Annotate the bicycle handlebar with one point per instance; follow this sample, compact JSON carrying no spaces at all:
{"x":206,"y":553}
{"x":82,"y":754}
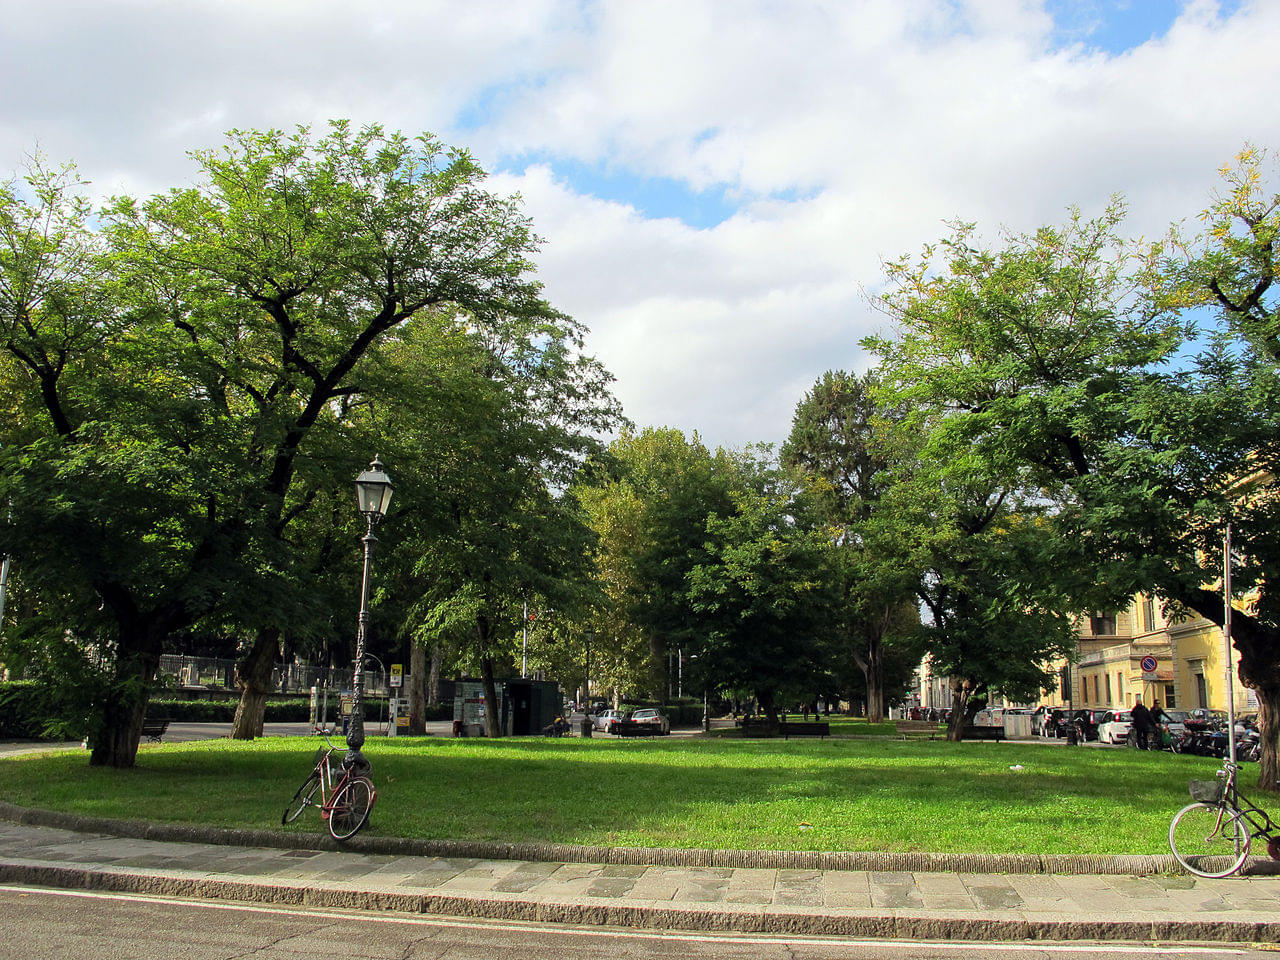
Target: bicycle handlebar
{"x":323,"y":733}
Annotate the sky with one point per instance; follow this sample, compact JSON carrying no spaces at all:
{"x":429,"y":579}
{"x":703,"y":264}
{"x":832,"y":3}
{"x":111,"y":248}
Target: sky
{"x":718,"y":183}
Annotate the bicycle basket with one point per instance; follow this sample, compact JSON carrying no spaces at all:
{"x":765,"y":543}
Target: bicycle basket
{"x":1206,"y":791}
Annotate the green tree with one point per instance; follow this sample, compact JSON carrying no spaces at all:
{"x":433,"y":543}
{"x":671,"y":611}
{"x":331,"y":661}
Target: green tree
{"x":763,"y":591}
{"x":1050,"y":356}
{"x":838,"y":439}
{"x":177,"y":360}
{"x":1231,"y":425}
{"x":512,"y":533}
{"x":650,"y":505}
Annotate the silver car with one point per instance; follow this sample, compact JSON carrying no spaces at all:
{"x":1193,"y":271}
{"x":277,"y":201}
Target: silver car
{"x":602,"y":719}
{"x":654,"y":721}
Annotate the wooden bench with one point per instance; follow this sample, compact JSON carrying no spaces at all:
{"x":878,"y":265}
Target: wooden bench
{"x":982,"y":732}
{"x":758,"y":727}
{"x":804,"y":728}
{"x":153,"y":730}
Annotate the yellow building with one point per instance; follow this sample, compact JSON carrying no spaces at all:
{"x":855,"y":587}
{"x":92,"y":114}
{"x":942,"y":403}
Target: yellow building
{"x":1188,"y":655}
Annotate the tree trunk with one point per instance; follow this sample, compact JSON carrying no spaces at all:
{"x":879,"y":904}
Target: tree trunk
{"x":959,"y":704}
{"x":253,"y":677}
{"x":874,"y":674}
{"x":767,"y":704}
{"x":117,"y":744}
{"x":1268,"y":733}
{"x":1259,"y":670}
{"x":288,"y":650}
{"x":141,"y":638}
{"x":417,"y":678}
{"x":433,"y":679}
{"x":492,"y":720}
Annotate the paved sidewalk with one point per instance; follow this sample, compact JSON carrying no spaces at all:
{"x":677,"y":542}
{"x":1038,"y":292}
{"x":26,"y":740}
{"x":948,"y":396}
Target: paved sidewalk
{"x":907,"y":904}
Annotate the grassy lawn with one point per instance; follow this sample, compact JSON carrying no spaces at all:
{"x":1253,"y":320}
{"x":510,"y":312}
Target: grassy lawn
{"x":741,"y":794}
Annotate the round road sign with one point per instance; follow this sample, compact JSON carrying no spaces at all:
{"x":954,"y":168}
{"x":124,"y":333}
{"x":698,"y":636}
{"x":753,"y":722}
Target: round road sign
{"x":1148,"y":664}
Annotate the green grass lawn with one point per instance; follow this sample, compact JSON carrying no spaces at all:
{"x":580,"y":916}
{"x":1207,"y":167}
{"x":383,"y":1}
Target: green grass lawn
{"x":833,"y":794}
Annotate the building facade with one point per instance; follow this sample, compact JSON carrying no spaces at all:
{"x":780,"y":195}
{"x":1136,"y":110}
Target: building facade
{"x":1189,"y":655}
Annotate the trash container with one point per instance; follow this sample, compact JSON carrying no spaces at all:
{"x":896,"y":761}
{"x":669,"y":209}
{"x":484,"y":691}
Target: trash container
{"x":584,"y":727}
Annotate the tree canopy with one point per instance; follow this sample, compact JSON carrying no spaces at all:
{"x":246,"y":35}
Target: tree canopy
{"x":186,"y":373}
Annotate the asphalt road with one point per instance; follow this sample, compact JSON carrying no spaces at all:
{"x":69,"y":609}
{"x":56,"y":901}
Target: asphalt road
{"x":60,"y":924}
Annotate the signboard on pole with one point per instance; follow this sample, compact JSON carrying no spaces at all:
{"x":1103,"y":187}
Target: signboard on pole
{"x":1148,"y":669}
{"x":397,"y":674}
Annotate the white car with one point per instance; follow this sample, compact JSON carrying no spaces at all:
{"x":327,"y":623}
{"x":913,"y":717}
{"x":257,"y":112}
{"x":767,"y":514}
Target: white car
{"x":1114,"y":726}
{"x":651,"y":719}
{"x":602,"y":719}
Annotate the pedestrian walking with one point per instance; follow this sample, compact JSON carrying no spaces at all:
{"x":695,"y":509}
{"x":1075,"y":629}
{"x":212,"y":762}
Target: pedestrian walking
{"x":1141,"y":724}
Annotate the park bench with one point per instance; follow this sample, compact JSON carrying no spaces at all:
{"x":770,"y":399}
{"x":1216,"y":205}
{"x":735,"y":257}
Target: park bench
{"x":982,"y":732}
{"x":153,"y":730}
{"x":804,"y":728}
{"x":758,"y":727}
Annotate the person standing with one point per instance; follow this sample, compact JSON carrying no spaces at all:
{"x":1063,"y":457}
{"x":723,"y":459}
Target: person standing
{"x":1141,"y":724}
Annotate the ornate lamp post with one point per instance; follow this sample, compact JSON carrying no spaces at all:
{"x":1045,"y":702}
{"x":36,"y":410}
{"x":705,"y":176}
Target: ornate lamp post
{"x":373,"y":493}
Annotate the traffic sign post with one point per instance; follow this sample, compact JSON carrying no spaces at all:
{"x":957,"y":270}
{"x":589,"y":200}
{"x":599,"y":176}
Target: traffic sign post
{"x":1149,"y":669}
{"x":397,"y":674}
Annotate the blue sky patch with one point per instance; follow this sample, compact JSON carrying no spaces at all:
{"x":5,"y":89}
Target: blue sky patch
{"x":1116,"y":26}
{"x":653,"y":197}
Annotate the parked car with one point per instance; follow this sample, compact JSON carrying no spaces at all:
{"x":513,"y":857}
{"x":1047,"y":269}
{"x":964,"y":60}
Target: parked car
{"x":650,"y":720}
{"x":1087,"y":722}
{"x":1114,"y":727}
{"x":605,"y":718}
{"x":1045,"y":721}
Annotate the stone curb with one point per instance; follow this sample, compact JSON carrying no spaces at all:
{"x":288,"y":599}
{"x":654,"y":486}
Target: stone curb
{"x":797,"y":921}
{"x":1135,"y":865}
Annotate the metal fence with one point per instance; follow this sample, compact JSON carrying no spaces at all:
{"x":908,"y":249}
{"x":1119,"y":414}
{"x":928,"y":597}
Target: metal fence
{"x":215,"y":673}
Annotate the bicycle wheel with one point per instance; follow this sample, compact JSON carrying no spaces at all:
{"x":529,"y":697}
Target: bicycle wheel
{"x":1209,"y":840}
{"x":350,"y":810}
{"x":301,"y":800}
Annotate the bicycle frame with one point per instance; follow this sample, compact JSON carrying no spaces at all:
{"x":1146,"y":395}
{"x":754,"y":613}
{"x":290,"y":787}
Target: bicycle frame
{"x":1259,"y":823}
{"x":344,"y":801}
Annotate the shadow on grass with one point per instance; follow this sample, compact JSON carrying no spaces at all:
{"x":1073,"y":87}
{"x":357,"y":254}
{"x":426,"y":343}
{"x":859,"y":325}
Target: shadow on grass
{"x":729,"y":794}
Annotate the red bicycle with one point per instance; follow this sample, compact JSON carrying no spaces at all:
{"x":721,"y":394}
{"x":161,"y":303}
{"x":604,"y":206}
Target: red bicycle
{"x":345,"y":805}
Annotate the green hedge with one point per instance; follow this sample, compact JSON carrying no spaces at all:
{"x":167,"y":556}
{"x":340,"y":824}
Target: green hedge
{"x":277,"y":711}
{"x":224,"y":711}
{"x":26,"y":706}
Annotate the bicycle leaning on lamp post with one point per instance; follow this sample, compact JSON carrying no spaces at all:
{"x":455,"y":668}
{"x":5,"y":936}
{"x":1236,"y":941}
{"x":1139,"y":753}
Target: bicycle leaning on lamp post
{"x":373,"y":493}
{"x":347,"y":807}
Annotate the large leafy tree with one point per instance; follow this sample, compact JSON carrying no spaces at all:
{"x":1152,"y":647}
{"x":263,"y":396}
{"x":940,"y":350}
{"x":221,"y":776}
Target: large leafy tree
{"x":763,"y":592}
{"x":177,"y":360}
{"x":979,"y":550}
{"x":717,"y":554}
{"x":649,"y":501}
{"x":839,"y":440}
{"x":1231,"y":425}
{"x":1049,"y":358}
{"x":508,"y":536}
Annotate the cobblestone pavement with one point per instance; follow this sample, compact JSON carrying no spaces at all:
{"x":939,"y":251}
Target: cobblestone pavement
{"x":987,"y":906}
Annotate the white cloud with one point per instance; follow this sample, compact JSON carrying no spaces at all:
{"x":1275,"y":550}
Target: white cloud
{"x":885,"y":118}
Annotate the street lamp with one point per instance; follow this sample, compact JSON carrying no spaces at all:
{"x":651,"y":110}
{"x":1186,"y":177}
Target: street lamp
{"x":373,"y":493}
